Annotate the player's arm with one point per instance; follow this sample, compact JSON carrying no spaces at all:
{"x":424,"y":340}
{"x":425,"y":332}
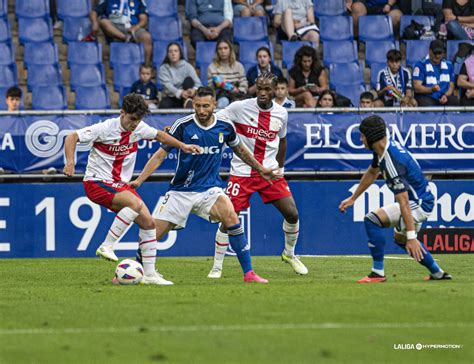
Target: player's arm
{"x":167,"y":139}
{"x":151,"y":166}
{"x":244,"y":154}
{"x":367,"y":179}
{"x":70,"y":150}
{"x":413,"y":247}
{"x":281,"y":155}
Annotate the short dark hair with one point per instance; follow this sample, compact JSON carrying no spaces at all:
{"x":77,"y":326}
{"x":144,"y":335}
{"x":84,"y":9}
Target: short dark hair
{"x":367,"y":95}
{"x":14,"y":92}
{"x":167,"y":59}
{"x":136,"y":105}
{"x":394,"y":55}
{"x":204,"y":91}
{"x":268,"y":76}
{"x":263,"y":49}
{"x":282,"y":80}
{"x":146,"y":65}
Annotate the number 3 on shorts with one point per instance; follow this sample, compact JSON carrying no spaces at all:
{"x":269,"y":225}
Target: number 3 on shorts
{"x":232,"y":189}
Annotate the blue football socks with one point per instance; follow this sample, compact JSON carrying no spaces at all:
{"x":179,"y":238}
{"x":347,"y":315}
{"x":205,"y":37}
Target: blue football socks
{"x":373,"y":227}
{"x":238,"y":242}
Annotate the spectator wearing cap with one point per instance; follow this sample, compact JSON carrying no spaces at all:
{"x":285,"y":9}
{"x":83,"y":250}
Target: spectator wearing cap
{"x":211,"y":20}
{"x":13,"y":98}
{"x":433,"y":78}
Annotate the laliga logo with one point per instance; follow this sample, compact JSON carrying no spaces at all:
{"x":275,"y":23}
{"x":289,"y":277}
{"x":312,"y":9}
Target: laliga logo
{"x":447,"y":207}
{"x":44,"y":139}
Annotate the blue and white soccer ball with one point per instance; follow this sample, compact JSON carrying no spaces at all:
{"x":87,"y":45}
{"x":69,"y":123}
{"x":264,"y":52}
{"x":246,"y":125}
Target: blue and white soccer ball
{"x":129,"y":272}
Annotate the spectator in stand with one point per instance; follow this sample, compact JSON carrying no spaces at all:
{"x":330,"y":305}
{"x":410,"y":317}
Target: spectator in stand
{"x":178,"y":79}
{"x":123,"y":20}
{"x":211,"y":20}
{"x":264,"y":64}
{"x":294,"y":20}
{"x":13,"y":98}
{"x":327,"y":99}
{"x":226,"y":75}
{"x":459,"y":16}
{"x":394,"y":81}
{"x":466,"y":81}
{"x":433,"y":78}
{"x":145,"y":87}
{"x":360,"y":8}
{"x":248,"y":8}
{"x":366,"y":100}
{"x":307,"y":77}
{"x":281,"y":94}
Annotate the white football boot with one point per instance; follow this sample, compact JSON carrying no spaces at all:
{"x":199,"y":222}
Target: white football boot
{"x":106,"y":252}
{"x":215,"y":273}
{"x":156,"y":279}
{"x":295,"y":263}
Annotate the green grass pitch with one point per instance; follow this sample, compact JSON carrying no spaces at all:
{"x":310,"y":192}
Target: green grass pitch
{"x":67,"y":311}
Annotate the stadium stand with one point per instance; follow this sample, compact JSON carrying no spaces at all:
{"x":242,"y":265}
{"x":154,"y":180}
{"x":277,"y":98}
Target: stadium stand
{"x":421,"y":19}
{"x":205,"y":52}
{"x":452,"y":48}
{"x":165,"y":28}
{"x":351,"y":92}
{"x":162,"y":8}
{"x":376,"y":51}
{"x":8,"y":75}
{"x":126,"y":53}
{"x":75,"y":8}
{"x":329,"y":7}
{"x":84,"y":53}
{"x":5,"y":33}
{"x":7,"y":54}
{"x":35,"y":30}
{"x":74,"y":29}
{"x":125,"y":75}
{"x":251,"y":28}
{"x":44,"y":75}
{"x":32,"y":8}
{"x":87,"y":75}
{"x":49,"y":98}
{"x":334,"y":28}
{"x":341,"y":74}
{"x":416,"y":50}
{"x":375,"y":27}
{"x":92,"y":98}
{"x":40,"y":54}
{"x":374,"y":71}
{"x":340,"y":52}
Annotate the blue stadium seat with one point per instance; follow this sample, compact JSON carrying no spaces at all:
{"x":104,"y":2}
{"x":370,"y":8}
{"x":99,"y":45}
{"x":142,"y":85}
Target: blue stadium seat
{"x":165,"y":28}
{"x":40,"y":54}
{"x":3,"y":8}
{"x":73,"y":27}
{"x":87,"y":75}
{"x":205,"y":52}
{"x":7,"y":55}
{"x":422,"y":19}
{"x":345,"y":73}
{"x":162,"y":8}
{"x":250,"y":28}
{"x":75,"y":8}
{"x":125,"y":75}
{"x":84,"y":53}
{"x":44,"y":75}
{"x":340,"y":52}
{"x":352,"y":92}
{"x":375,"y":27}
{"x":329,"y":7}
{"x":376,"y":51}
{"x":5,"y":33}
{"x":248,"y":50}
{"x":374,"y":72}
{"x":203,"y":73}
{"x":336,"y":28}
{"x":49,"y":98}
{"x":126,"y":53}
{"x":289,"y":49}
{"x":8,"y":75}
{"x":92,"y":98}
{"x":122,"y":93}
{"x":35,"y":30}
{"x":416,"y":50}
{"x":452,"y":48}
{"x":32,"y":8}
{"x":159,"y":52}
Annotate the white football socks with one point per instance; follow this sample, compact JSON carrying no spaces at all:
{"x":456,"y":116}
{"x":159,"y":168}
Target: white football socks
{"x":121,"y":222}
{"x":148,"y":247}
{"x":291,"y":236}
{"x":222,"y":242}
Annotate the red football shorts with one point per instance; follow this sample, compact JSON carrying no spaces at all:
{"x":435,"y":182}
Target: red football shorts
{"x":103,"y":192}
{"x":240,"y":189}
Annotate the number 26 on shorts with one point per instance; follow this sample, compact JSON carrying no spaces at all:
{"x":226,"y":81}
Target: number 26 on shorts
{"x":232,"y":189}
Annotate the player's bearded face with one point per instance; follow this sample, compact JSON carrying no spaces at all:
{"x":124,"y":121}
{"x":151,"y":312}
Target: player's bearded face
{"x":204,"y":107}
{"x":129,"y":121}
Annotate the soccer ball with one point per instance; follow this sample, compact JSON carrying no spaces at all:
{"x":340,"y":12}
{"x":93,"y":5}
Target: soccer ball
{"x":129,"y":272}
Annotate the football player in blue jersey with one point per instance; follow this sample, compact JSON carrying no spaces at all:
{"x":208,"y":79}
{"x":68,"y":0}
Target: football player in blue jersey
{"x":197,"y":187}
{"x":414,"y":201}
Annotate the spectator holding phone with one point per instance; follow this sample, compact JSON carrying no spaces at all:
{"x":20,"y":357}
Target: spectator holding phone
{"x":307,"y":77}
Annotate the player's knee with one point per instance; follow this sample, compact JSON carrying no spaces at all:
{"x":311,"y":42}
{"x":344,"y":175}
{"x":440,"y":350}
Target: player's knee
{"x":372,"y":219}
{"x":230,"y":219}
{"x":292,"y":217}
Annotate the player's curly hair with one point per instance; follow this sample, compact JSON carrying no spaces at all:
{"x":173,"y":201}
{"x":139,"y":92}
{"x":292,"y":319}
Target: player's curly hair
{"x":268,"y":76}
{"x":135,"y":104}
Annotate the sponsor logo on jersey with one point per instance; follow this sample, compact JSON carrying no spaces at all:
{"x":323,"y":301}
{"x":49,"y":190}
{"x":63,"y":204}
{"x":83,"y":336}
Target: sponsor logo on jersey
{"x":113,"y":149}
{"x":213,"y":149}
{"x":256,"y":133}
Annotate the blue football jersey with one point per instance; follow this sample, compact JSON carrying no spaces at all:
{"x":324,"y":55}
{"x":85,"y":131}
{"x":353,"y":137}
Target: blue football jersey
{"x":199,"y":172}
{"x":402,"y":173}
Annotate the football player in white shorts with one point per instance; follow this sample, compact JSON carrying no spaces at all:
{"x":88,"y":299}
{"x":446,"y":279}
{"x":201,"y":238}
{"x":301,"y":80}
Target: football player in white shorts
{"x":197,"y":187}
{"x":109,"y":168}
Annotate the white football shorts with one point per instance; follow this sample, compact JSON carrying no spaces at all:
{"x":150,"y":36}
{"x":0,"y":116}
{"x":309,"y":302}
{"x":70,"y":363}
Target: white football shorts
{"x":396,"y":220}
{"x":176,"y":206}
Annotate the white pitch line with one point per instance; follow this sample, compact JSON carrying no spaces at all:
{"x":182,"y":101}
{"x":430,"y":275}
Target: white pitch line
{"x":250,"y":327}
{"x":353,"y":256}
